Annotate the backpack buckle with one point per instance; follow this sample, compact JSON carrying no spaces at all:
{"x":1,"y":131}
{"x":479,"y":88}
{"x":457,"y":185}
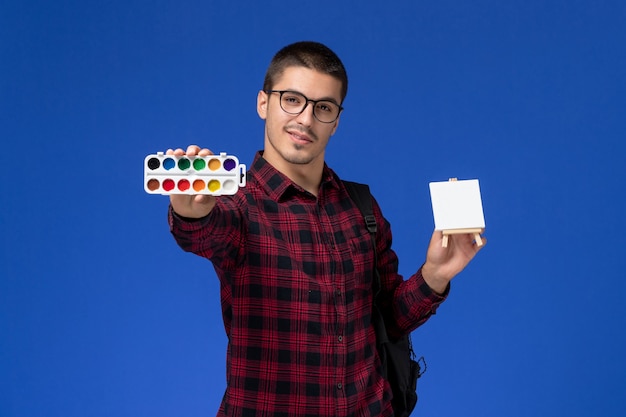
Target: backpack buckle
{"x":370,"y":222}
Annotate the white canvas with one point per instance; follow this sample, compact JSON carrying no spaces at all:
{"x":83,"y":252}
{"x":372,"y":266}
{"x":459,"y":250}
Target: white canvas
{"x":457,"y":205}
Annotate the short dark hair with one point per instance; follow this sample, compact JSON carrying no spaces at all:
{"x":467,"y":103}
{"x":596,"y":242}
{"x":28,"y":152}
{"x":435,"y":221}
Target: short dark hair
{"x":312,"y":55}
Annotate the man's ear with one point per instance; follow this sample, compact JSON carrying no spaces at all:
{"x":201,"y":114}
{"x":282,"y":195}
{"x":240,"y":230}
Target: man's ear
{"x":261,"y":104}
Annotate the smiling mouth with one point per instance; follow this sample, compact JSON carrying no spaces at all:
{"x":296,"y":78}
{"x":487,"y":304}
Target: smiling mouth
{"x":299,"y":136}
{"x":300,"y":139}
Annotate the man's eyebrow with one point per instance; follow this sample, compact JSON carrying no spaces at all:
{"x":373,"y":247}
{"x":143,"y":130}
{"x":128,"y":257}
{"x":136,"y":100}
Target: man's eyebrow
{"x":331,"y":99}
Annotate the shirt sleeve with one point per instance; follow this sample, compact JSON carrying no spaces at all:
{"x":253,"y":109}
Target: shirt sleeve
{"x":407,"y":304}
{"x":217,"y":237}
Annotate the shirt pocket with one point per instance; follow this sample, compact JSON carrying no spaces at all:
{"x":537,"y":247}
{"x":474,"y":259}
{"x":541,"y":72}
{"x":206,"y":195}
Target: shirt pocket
{"x":358,"y":265}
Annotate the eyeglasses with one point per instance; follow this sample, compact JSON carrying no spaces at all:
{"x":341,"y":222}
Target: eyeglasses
{"x":292,"y":102}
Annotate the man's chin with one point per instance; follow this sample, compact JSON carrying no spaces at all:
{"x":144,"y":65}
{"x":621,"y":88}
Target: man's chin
{"x":299,"y":160}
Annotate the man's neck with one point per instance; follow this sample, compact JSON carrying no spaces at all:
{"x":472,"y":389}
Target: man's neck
{"x":308,"y":176}
{"x":305,"y":179}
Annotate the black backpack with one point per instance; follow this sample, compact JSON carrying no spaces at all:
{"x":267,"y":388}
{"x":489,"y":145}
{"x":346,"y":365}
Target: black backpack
{"x":398,"y":359}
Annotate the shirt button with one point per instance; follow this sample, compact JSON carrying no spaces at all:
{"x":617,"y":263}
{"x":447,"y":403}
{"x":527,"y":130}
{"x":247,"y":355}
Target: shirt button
{"x":339,"y":386}
{"x":340,"y":338}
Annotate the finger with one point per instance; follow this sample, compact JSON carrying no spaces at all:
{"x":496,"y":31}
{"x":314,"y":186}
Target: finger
{"x":192,"y":150}
{"x":201,"y":198}
{"x":436,"y":238}
{"x":205,"y":152}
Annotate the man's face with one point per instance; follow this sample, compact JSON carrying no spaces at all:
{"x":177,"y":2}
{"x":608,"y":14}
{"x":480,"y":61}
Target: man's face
{"x":298,"y":139}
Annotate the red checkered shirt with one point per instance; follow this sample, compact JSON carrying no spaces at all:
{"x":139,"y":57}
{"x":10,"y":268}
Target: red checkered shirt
{"x":296,"y":293}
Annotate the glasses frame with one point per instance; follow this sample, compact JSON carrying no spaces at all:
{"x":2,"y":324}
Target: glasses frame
{"x":308,"y":100}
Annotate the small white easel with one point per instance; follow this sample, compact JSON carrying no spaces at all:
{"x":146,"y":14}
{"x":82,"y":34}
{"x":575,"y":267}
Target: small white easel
{"x":457,"y":208}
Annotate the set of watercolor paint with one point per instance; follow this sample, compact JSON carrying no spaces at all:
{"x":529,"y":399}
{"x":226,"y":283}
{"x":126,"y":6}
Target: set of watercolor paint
{"x":213,"y":175}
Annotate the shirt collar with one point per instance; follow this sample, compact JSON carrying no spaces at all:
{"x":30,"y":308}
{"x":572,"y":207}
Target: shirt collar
{"x":279,"y":186}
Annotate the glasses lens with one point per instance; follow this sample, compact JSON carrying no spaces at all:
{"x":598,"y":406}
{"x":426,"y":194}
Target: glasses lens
{"x":294,"y":103}
{"x":326,"y":111}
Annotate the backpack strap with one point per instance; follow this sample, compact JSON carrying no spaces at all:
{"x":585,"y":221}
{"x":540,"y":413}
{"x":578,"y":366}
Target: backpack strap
{"x":362,"y":197}
{"x":360,"y":194}
{"x":397,"y":357}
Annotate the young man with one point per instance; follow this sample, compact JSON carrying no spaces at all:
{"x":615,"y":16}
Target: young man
{"x":294,"y":259}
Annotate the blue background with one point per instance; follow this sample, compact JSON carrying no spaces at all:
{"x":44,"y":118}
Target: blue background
{"x":101,"y":314}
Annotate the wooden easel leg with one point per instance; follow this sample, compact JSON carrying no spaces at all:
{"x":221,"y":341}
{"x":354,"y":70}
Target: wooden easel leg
{"x":475,"y":232}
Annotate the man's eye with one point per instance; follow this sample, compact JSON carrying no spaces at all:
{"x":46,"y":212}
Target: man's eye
{"x":291,"y":99}
{"x":325,"y":107}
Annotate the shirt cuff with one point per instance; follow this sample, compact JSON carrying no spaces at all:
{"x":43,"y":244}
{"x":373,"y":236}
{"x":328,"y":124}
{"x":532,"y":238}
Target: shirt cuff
{"x":429,"y":292}
{"x":423,"y":300}
{"x":186,"y":223}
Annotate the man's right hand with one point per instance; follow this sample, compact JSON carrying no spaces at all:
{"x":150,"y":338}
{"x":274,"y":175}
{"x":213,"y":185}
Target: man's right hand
{"x":191,"y":206}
